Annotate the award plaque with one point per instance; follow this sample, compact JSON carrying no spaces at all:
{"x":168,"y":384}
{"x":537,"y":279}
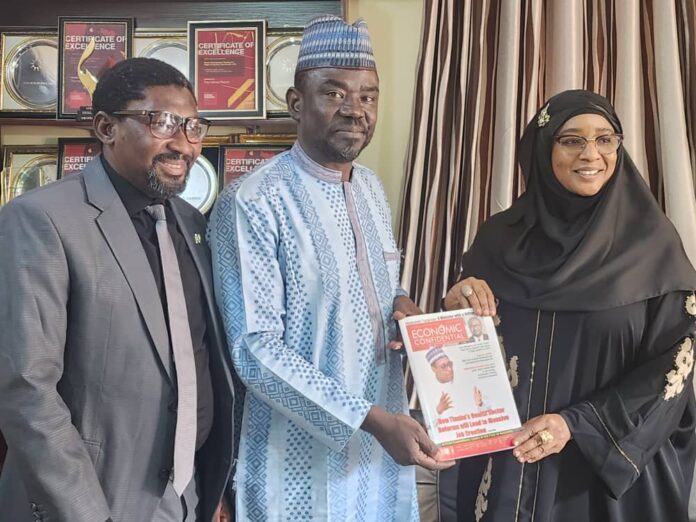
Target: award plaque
{"x":29,"y":65}
{"x":27,"y":168}
{"x":227,"y":68}
{"x":202,"y":185}
{"x":214,"y":141}
{"x":86,"y":48}
{"x":75,"y":153}
{"x":282,"y":51}
{"x":237,"y":160}
{"x":168,"y":46}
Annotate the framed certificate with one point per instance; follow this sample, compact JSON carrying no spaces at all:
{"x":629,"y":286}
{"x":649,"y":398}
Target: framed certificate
{"x":86,"y":48}
{"x":28,"y":167}
{"x":169,"y":46}
{"x":282,"y":51}
{"x":227,"y":68}
{"x":29,"y":65}
{"x":203,"y":183}
{"x":236,"y":160}
{"x":75,"y":153}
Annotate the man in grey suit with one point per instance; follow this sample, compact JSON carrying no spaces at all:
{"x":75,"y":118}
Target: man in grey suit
{"x":93,"y":371}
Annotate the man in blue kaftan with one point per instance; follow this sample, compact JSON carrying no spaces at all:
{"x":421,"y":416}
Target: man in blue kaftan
{"x":307,"y":277}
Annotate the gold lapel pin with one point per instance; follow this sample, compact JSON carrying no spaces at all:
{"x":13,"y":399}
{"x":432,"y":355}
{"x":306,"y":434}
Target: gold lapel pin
{"x":197,"y":238}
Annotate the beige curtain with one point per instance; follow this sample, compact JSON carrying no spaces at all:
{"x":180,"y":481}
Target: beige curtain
{"x":485,"y":68}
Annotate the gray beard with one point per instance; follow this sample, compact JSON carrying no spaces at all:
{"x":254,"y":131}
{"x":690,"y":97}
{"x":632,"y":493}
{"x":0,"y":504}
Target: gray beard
{"x":345,"y":155}
{"x":164,"y":190}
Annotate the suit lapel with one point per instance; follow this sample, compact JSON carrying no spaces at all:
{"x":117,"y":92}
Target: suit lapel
{"x":195,"y":241}
{"x":123,"y":240}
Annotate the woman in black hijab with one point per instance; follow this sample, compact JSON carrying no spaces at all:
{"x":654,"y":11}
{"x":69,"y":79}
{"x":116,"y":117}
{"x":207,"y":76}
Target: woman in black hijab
{"x":597,"y":318}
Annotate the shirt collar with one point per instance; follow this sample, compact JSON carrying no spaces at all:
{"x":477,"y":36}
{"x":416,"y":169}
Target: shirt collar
{"x":133,"y":198}
{"x":312,"y":167}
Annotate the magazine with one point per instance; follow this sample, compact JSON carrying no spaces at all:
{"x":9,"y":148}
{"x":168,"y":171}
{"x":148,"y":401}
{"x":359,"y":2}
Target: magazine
{"x":462,"y":382}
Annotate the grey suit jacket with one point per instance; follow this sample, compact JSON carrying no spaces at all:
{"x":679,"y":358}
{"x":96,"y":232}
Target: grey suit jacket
{"x":88,"y":401}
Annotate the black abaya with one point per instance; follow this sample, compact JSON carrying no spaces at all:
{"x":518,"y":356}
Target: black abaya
{"x":632,"y":455}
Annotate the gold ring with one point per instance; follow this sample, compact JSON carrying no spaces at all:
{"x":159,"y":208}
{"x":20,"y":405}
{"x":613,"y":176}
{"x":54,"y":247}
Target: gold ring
{"x":544,"y":437}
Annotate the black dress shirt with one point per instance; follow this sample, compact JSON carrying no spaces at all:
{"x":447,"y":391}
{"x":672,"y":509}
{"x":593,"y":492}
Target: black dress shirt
{"x":135,"y":202}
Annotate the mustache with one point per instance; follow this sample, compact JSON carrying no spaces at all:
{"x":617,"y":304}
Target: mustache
{"x":350,"y":125}
{"x":350,"y":129}
{"x":173,"y":156}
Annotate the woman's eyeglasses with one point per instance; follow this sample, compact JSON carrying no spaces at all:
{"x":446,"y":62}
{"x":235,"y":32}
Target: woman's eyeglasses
{"x":607,"y":144}
{"x":165,"y":124}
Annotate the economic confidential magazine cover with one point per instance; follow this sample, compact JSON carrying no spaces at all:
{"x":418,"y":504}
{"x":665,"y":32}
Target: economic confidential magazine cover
{"x":462,"y":383}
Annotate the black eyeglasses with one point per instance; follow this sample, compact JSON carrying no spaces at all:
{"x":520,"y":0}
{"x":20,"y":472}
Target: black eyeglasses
{"x":165,"y":124}
{"x":607,"y":144}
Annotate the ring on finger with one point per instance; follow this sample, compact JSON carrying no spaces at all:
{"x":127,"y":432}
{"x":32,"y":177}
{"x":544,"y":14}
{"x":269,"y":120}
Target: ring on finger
{"x":544,"y":437}
{"x":467,"y":290}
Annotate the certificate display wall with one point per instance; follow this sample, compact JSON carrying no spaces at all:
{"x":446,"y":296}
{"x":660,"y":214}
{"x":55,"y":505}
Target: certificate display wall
{"x":87,"y":47}
{"x":52,"y":56}
{"x":226,"y":68}
{"x":29,"y":65}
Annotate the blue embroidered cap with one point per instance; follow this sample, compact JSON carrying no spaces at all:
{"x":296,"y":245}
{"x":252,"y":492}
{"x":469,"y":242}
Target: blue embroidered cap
{"x":435,"y":354}
{"x":328,"y":41}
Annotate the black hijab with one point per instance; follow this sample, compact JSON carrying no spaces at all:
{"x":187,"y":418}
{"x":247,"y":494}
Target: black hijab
{"x":558,"y":251}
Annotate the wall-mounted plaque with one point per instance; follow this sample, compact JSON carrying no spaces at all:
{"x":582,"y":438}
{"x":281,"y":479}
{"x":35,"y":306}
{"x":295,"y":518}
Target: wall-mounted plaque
{"x":210,"y":141}
{"x":282,"y":50}
{"x":202,"y":185}
{"x":29,"y":65}
{"x":168,"y":46}
{"x":237,"y":160}
{"x":86,"y":48}
{"x":227,"y":68}
{"x":75,"y":153}
{"x":28,"y":167}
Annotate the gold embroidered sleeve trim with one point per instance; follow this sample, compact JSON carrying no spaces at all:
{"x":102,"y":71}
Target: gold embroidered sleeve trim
{"x":482,"y":497}
{"x":613,"y":441}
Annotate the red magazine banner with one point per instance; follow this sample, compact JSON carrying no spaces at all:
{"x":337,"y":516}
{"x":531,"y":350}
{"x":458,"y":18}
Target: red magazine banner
{"x":86,"y":48}
{"x":471,"y":448}
{"x":237,"y":160}
{"x":227,"y":68}
{"x":75,"y":153}
{"x":444,"y":332}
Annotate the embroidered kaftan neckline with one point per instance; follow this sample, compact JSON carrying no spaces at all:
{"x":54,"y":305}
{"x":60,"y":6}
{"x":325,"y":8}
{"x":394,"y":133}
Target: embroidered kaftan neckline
{"x":310,"y":166}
